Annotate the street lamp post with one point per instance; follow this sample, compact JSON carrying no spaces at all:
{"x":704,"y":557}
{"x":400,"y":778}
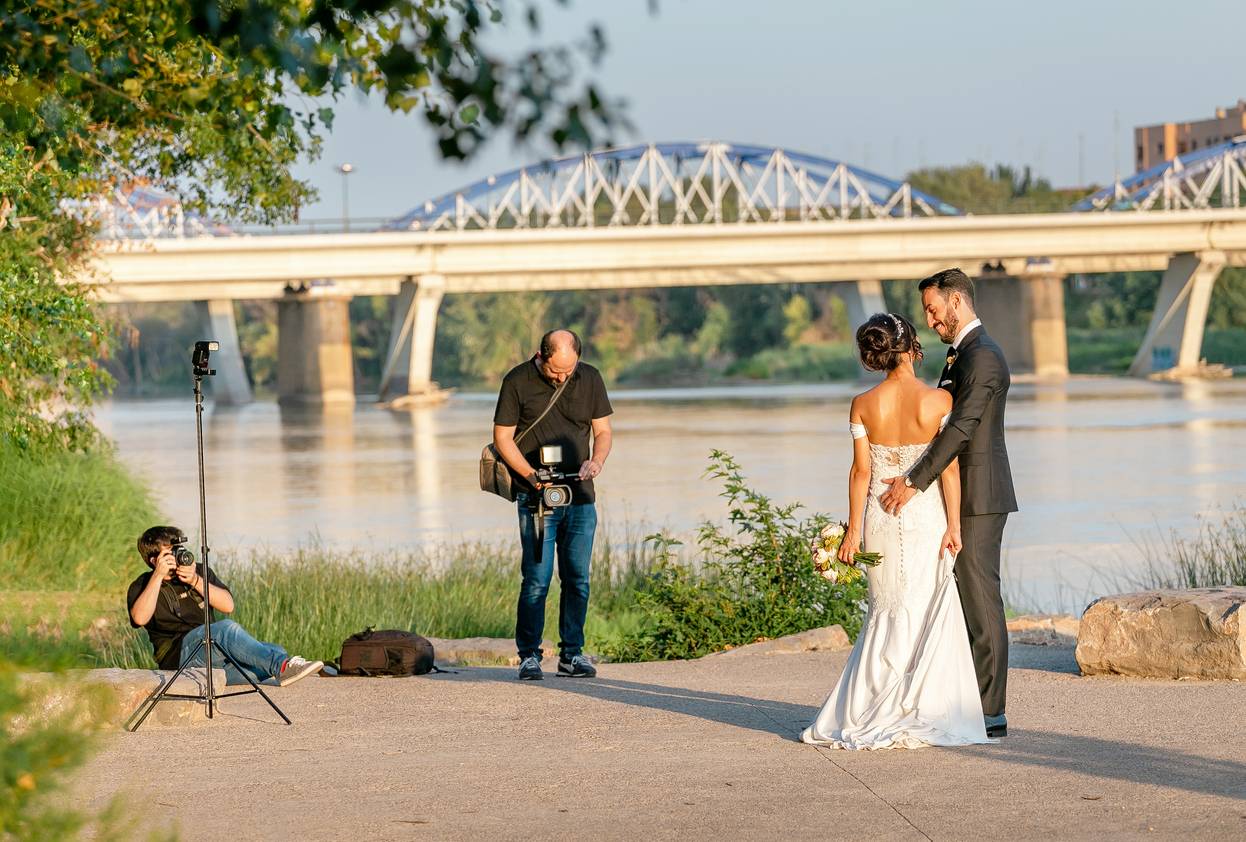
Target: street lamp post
{"x":346,"y":170}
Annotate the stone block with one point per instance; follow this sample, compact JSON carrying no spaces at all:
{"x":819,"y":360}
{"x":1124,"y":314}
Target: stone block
{"x":481,"y":651}
{"x":825,"y":639}
{"x":1195,"y":633}
{"x":107,"y":697}
{"x":1044,"y":630}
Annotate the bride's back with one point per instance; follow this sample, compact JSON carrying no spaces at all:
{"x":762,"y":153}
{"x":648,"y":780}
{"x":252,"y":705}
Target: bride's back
{"x":902,"y":411}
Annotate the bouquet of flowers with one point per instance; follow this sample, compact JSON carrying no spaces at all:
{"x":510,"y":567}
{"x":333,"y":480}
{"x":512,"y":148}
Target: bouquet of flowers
{"x":825,"y":550}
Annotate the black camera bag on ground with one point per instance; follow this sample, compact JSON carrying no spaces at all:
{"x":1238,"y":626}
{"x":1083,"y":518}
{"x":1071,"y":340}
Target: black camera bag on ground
{"x":386,"y":652}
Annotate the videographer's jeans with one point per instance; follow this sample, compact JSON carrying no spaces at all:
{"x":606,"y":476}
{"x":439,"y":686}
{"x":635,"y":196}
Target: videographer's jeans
{"x":260,"y":660}
{"x":569,"y":532}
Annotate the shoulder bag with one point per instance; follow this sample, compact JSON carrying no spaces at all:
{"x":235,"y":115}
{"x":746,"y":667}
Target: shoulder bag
{"x":495,"y":477}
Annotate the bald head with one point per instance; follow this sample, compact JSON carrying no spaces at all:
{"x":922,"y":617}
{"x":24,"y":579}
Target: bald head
{"x":560,"y":351}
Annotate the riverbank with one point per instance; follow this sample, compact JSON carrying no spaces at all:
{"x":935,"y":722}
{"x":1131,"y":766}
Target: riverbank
{"x":686,"y":750}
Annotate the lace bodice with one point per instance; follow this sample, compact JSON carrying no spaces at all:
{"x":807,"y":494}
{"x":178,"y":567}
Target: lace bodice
{"x":924,"y":513}
{"x":888,"y":461}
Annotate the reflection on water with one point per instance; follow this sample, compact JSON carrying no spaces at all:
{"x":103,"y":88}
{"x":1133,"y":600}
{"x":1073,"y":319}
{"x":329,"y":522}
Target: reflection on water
{"x":1100,"y":466}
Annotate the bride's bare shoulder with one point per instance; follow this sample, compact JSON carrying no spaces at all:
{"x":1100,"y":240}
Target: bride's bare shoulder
{"x":937,"y":400}
{"x":865,"y":405}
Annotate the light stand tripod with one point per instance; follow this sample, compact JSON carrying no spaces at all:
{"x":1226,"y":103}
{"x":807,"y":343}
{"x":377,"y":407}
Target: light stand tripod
{"x":199,"y":367}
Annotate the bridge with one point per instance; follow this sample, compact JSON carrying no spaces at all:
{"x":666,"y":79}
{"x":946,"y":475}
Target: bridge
{"x":682,"y":215}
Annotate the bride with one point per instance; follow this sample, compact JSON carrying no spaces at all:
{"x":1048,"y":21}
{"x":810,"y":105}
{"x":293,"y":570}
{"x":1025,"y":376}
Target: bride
{"x":910,"y":679}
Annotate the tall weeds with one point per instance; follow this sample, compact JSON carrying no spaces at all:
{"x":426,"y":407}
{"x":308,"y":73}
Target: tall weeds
{"x":1215,"y":556}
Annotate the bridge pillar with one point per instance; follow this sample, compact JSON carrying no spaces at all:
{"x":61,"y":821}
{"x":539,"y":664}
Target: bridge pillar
{"x":1174,"y":339}
{"x":1025,"y":315}
{"x":230,"y":386}
{"x":314,"y":365}
{"x":408,"y":372}
{"x":863,"y":299}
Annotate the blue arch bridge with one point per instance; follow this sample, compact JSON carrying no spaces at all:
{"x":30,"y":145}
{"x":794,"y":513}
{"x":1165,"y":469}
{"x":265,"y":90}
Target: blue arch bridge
{"x":680,"y":214}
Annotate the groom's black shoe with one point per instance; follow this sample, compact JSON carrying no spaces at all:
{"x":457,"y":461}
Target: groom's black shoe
{"x":996,"y":726}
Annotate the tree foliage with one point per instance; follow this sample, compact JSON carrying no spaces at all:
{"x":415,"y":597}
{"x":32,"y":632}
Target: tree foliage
{"x":1002,"y":189}
{"x":215,"y":101}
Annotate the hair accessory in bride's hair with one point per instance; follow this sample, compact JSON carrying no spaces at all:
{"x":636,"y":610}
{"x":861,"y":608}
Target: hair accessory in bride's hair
{"x":899,"y":325}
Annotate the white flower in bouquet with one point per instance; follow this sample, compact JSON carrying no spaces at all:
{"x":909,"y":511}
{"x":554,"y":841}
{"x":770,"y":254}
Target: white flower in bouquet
{"x":825,"y":552}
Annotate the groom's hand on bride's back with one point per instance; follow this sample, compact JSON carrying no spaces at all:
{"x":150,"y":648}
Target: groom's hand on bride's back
{"x":894,"y":498}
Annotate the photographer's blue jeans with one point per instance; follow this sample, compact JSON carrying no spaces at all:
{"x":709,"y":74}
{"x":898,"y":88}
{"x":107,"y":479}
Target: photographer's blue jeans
{"x":260,"y":660}
{"x":569,"y":533}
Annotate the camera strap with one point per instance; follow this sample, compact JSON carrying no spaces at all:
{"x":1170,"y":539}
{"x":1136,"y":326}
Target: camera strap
{"x":553,"y":400}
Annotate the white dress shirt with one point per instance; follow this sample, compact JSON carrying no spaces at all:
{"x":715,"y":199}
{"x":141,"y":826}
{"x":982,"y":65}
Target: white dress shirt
{"x":964,"y":330}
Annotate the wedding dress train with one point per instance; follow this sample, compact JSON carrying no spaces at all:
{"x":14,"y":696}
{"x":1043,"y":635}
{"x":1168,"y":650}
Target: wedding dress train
{"x":910,"y":680}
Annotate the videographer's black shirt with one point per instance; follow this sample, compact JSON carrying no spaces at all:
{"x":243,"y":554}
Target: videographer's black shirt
{"x":524,"y":396}
{"x":179,"y":609}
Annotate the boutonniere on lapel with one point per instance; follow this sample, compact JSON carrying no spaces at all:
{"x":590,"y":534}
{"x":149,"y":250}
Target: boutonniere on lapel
{"x":951,"y":358}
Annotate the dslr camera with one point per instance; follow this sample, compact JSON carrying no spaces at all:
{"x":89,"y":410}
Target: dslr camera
{"x":181,"y":555}
{"x":553,"y":496}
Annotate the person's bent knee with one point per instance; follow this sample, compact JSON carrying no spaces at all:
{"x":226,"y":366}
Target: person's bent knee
{"x":226,"y":628}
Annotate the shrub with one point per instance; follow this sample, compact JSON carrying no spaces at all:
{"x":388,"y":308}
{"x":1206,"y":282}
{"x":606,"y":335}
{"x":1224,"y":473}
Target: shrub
{"x":754,"y":581}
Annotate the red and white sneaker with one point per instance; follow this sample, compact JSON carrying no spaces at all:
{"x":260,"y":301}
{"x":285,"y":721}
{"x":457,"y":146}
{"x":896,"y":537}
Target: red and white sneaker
{"x":295,"y":668}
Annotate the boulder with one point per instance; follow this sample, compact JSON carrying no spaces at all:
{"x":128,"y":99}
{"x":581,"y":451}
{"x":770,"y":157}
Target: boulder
{"x":1196,"y":633}
{"x":107,"y":697}
{"x":825,"y":639}
{"x":1044,"y":630}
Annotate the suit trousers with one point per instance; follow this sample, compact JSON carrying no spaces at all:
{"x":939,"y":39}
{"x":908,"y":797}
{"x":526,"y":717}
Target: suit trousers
{"x":977,"y":579}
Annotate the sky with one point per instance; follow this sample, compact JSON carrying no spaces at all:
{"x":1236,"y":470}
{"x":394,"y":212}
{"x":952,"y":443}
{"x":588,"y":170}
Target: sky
{"x":884,"y":84}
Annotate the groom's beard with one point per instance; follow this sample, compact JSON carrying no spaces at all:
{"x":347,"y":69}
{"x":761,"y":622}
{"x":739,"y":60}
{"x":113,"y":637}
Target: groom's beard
{"x":948,"y":327}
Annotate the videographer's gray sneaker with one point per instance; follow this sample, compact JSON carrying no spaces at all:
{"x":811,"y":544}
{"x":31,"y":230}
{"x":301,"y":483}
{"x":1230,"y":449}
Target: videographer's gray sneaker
{"x":577,"y":667}
{"x":296,"y":668}
{"x":530,"y":669}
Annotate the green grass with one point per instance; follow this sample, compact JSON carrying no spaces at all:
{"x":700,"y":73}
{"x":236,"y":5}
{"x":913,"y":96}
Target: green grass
{"x":68,"y":521}
{"x":309,"y":601}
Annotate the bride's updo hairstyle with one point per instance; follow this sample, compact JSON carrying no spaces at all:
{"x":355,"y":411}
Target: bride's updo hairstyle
{"x":885,"y":340}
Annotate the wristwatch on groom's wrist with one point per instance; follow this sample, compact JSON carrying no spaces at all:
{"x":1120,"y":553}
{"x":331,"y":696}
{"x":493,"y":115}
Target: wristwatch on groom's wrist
{"x":908,"y":482}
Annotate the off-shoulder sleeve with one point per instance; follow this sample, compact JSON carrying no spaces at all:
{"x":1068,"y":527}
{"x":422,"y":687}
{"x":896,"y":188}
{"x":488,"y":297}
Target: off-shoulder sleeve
{"x":857,"y":430}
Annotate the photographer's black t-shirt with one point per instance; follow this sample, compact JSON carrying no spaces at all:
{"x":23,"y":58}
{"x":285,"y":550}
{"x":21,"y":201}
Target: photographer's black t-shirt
{"x":179,"y":609}
{"x":524,"y":396}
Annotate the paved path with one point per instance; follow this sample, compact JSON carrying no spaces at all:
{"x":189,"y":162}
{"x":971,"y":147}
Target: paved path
{"x":688,"y":751}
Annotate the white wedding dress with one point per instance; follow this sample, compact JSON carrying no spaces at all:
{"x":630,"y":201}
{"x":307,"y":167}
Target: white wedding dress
{"x":910,"y":679}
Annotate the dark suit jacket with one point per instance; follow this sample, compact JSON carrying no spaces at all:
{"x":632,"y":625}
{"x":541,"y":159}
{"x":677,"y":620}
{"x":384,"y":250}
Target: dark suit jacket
{"x":975,"y":430}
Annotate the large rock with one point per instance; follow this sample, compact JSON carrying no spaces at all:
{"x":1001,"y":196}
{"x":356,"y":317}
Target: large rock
{"x":1197,"y":633}
{"x":107,"y":697}
{"x":1044,"y":630}
{"x":827,"y":638}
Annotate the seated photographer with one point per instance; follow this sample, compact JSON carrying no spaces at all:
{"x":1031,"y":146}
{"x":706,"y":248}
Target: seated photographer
{"x":168,"y":603}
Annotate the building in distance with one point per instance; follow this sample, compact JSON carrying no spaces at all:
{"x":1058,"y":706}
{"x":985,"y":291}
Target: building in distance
{"x":1157,"y":144}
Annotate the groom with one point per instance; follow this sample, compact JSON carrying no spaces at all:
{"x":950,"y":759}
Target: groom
{"x":977,"y":376}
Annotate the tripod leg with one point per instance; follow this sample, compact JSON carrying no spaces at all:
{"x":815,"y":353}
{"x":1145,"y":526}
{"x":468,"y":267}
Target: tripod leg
{"x":251,"y":681}
{"x":157,"y":695}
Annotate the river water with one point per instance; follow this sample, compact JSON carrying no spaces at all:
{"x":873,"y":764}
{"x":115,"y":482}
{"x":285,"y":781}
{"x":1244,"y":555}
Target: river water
{"x":1102,"y":466}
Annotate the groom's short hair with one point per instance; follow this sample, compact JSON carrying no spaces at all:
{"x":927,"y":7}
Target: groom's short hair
{"x":949,"y":281}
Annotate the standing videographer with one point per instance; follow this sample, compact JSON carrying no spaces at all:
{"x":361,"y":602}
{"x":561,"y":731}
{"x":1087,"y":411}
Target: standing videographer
{"x":168,"y":603}
{"x":582,"y":410}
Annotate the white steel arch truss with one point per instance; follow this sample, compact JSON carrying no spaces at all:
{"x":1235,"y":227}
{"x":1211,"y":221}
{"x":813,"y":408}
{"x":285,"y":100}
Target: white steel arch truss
{"x":672,"y":184}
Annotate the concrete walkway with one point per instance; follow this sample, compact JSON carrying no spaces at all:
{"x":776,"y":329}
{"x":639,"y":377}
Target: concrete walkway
{"x":688,"y":751}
